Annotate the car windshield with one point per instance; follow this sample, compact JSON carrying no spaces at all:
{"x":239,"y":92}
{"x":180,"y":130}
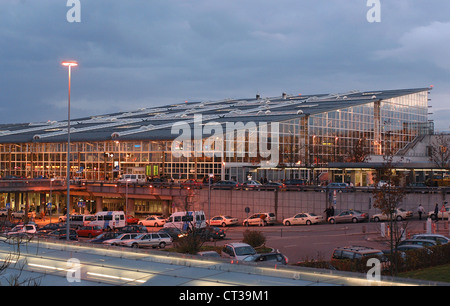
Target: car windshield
{"x":245,"y":250}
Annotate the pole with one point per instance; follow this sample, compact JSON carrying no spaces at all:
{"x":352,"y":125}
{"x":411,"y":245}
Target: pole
{"x":68,"y":162}
{"x":68,"y":64}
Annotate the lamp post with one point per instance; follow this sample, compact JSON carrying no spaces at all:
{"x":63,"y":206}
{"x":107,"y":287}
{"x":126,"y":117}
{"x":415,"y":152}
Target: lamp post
{"x":68,"y":64}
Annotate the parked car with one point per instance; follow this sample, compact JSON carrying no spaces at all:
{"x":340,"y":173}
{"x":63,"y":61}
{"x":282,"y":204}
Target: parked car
{"x":89,"y":231}
{"x":237,"y":250}
{"x":132,"y":219}
{"x":441,"y":214}
{"x":211,"y":233}
{"x":193,"y":184}
{"x":173,"y":232}
{"x":303,"y":218}
{"x":225,"y":185}
{"x":273,"y":186}
{"x":153,"y":240}
{"x":50,"y":227}
{"x":3,"y":212}
{"x":223,"y":221}
{"x":104,"y":236}
{"x":294,"y":184}
{"x":262,"y":219}
{"x":18,"y":214}
{"x":134,"y":228}
{"x":153,"y":221}
{"x":424,"y":242}
{"x":250,"y":184}
{"x":349,"y":216}
{"x":399,"y":215}
{"x":439,"y":239}
{"x":208,"y":254}
{"x":339,"y":187}
{"x":62,"y":234}
{"x":355,"y":252}
{"x":23,"y":229}
{"x":267,"y":259}
{"x":120,"y":239}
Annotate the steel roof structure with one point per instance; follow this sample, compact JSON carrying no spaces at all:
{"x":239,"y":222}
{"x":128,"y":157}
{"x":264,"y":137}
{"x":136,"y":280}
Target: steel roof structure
{"x":155,"y":123}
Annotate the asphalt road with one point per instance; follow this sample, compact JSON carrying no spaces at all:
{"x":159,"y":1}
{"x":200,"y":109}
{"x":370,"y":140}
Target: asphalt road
{"x":307,"y":242}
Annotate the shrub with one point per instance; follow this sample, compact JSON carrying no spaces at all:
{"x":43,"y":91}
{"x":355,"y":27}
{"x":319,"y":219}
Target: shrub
{"x":254,"y":238}
{"x":191,"y":244}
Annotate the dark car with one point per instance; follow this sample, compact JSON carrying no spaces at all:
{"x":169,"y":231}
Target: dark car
{"x":104,"y":236}
{"x":273,"y":186}
{"x":50,"y":227}
{"x":294,"y":184}
{"x":339,"y":187}
{"x":173,"y":232}
{"x":212,"y":233}
{"x":225,"y":185}
{"x":267,"y":258}
{"x":62,"y":234}
{"x":134,"y":228}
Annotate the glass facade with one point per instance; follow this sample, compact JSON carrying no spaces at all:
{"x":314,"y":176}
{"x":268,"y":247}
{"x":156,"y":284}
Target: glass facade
{"x":305,"y":142}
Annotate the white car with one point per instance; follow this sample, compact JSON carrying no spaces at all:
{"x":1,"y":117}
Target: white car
{"x":153,"y":240}
{"x":440,"y":239}
{"x":260,"y":219}
{"x":3,"y":212}
{"x":18,"y":214}
{"x":27,"y":229}
{"x":237,"y":250}
{"x":399,"y":215}
{"x":120,"y":239}
{"x":153,"y":221}
{"x":223,"y":221}
{"x":303,"y":218}
{"x":441,"y":214}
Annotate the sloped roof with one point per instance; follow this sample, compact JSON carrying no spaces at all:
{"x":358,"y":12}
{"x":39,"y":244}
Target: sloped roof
{"x":155,"y":123}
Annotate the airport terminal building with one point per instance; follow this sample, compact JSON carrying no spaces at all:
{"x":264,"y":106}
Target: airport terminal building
{"x":289,"y":136}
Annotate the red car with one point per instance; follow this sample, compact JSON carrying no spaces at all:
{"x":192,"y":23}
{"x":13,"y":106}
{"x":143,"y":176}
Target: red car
{"x":132,"y":220}
{"x":89,"y":231}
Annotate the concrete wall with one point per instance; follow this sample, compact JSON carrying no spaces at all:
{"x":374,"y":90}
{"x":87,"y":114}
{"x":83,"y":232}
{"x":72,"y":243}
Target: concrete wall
{"x":287,"y":203}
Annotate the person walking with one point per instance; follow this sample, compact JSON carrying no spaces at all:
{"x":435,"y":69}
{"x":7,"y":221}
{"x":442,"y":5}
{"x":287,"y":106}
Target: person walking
{"x":436,"y":212}
{"x":420,"y":211}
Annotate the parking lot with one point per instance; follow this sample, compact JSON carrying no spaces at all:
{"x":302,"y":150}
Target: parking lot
{"x":307,"y":242}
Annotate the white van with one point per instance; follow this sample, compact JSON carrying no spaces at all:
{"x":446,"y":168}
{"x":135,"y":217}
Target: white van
{"x":185,"y":220}
{"x":78,"y":221}
{"x":109,"y":219}
{"x":133,"y":179}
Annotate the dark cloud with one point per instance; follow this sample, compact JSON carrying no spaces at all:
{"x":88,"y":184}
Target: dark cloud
{"x":135,"y":53}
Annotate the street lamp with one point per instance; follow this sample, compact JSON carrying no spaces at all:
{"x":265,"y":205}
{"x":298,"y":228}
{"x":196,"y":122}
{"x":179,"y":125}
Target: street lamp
{"x":68,"y":64}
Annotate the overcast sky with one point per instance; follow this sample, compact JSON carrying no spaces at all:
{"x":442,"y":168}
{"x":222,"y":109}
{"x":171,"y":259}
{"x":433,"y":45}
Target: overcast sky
{"x":134,"y":54}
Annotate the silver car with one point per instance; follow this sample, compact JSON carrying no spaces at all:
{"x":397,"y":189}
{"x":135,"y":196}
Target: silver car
{"x":349,"y":216}
{"x":153,"y":240}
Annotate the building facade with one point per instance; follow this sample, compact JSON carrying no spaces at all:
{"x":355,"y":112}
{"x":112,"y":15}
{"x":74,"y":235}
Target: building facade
{"x":311,"y":132}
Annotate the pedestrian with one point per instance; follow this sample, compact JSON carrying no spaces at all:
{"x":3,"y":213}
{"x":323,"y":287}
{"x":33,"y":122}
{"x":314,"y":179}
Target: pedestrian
{"x":327,"y":212}
{"x":436,"y":212}
{"x":420,"y":211}
{"x":331,"y":211}
{"x":262,"y":218}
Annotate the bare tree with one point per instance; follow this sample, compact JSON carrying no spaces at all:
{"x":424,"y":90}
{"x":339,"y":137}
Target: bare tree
{"x":440,"y":152}
{"x":388,"y":194}
{"x":359,"y":152}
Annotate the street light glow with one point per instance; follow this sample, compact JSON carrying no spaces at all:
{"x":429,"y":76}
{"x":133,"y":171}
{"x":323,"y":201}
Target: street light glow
{"x":69,"y":63}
